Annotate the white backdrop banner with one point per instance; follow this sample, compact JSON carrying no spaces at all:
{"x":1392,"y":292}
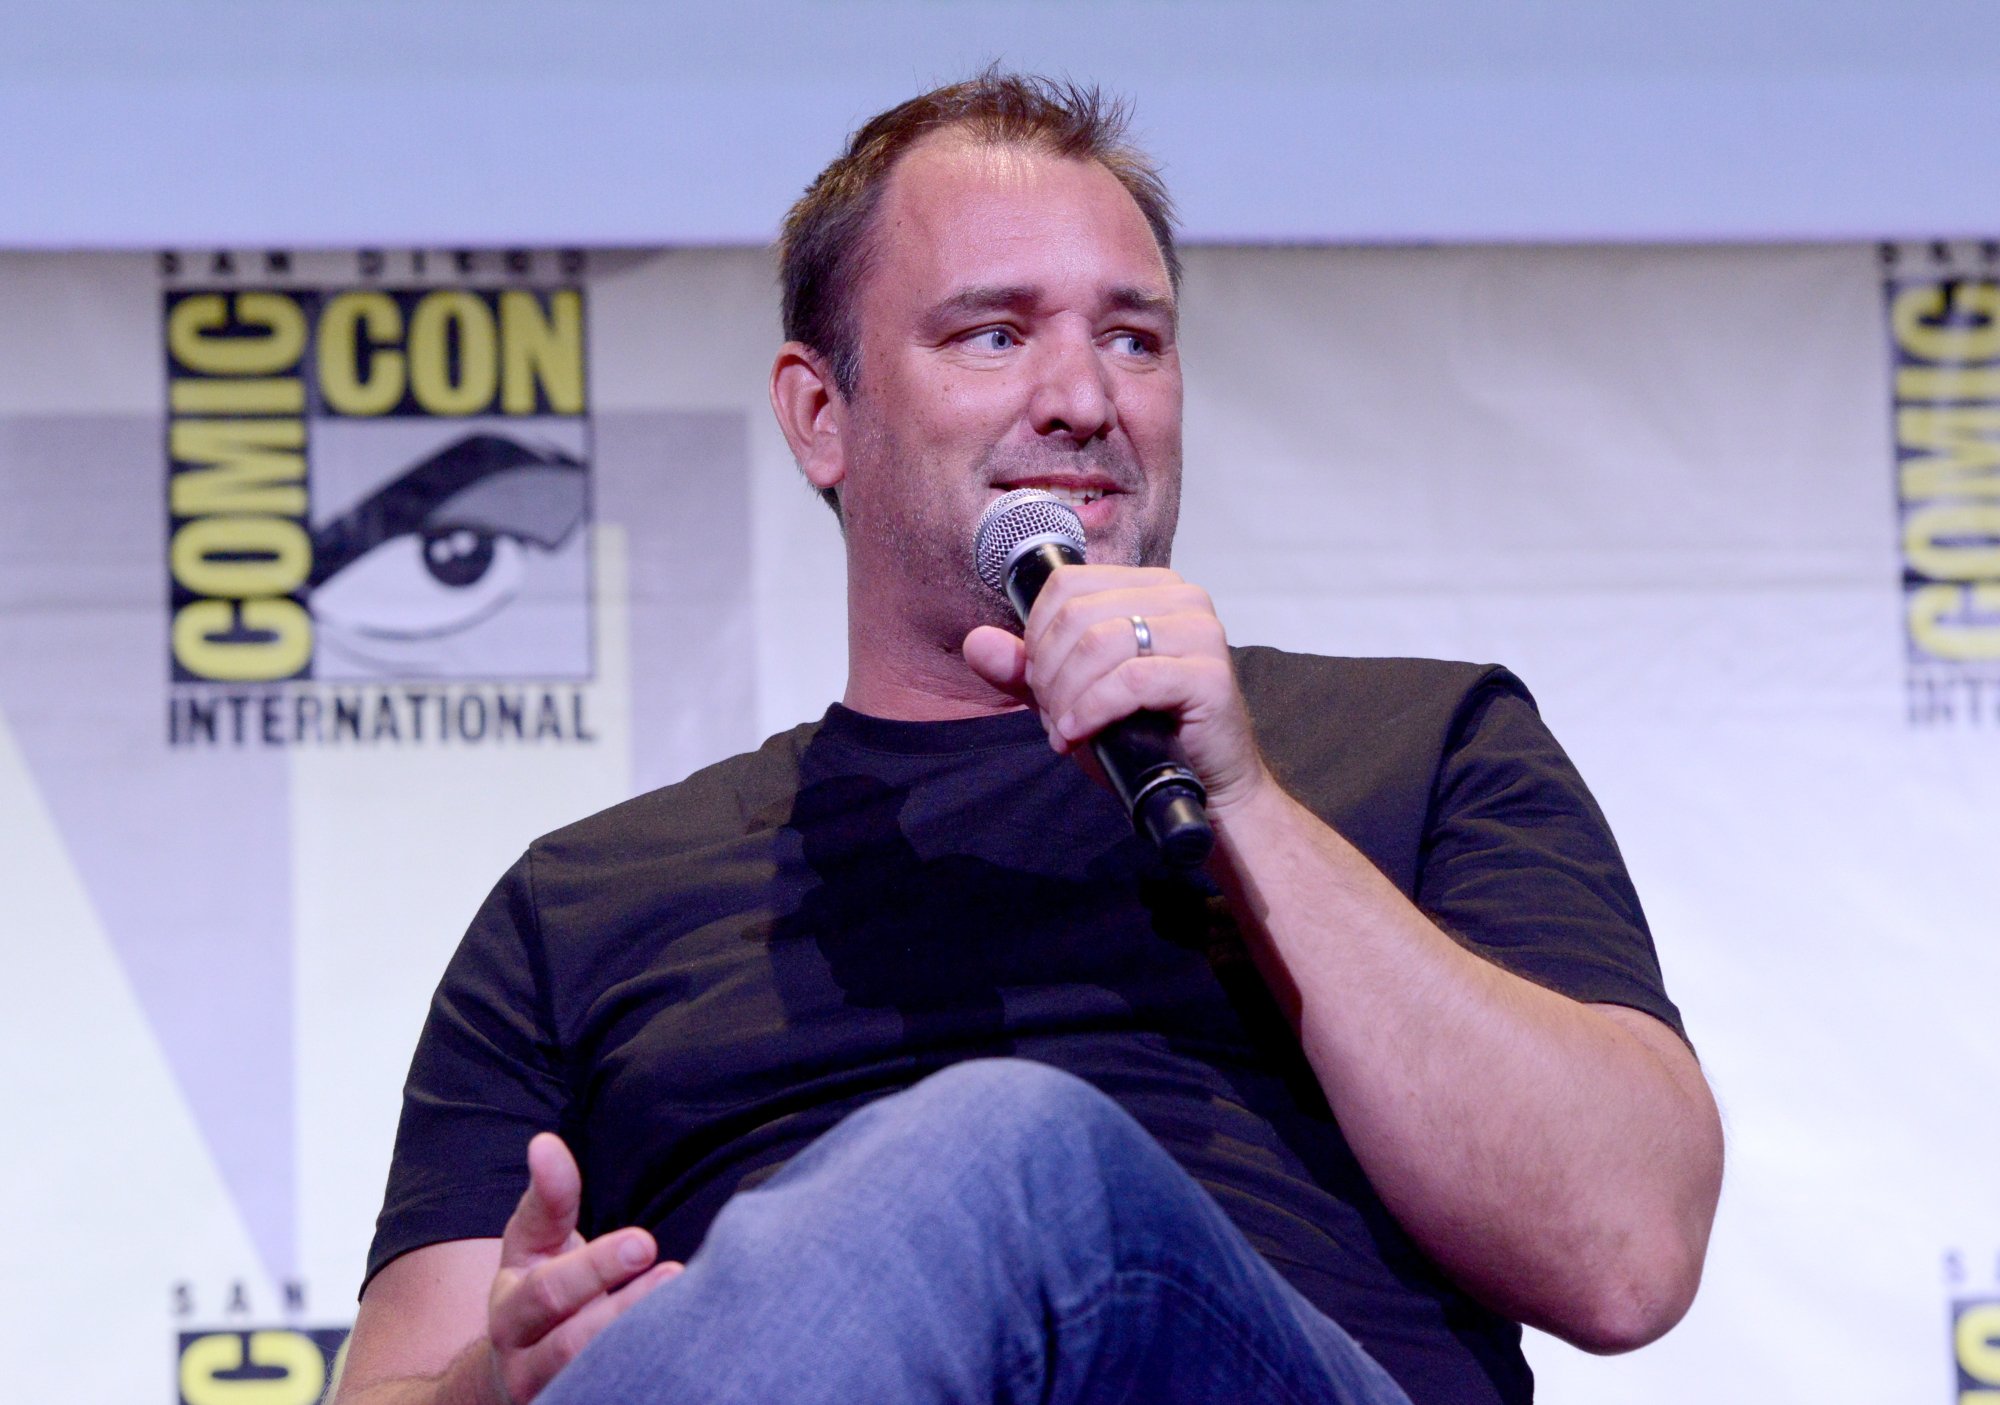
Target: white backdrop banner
{"x":330,"y":579}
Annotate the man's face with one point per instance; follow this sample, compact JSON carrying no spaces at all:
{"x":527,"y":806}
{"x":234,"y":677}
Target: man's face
{"x":1016,"y":330}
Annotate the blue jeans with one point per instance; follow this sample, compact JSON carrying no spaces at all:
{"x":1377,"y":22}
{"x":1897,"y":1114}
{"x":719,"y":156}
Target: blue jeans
{"x":1002,"y":1232}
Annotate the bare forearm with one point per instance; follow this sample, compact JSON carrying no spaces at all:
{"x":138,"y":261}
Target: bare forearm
{"x":1557,"y":1159}
{"x":468,"y":1380}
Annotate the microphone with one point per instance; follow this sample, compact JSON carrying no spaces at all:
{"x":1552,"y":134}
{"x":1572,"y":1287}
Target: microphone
{"x":1024,"y":535}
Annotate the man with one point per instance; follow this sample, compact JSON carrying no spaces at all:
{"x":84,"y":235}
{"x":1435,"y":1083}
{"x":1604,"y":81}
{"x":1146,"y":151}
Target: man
{"x":1402,"y":1042}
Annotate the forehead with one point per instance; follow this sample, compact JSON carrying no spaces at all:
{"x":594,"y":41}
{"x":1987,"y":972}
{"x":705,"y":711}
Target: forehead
{"x":957,"y":211}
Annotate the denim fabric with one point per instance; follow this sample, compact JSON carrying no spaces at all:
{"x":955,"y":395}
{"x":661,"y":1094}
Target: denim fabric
{"x":1002,"y":1232}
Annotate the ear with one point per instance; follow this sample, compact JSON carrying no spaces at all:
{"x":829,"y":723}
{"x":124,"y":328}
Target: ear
{"x":811,"y":412}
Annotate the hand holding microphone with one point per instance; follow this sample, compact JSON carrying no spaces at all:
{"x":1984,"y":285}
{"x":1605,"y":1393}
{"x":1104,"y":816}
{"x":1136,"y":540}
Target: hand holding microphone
{"x":1129,"y":659}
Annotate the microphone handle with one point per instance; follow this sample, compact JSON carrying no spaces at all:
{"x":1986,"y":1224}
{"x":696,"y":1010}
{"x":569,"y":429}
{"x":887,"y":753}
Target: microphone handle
{"x":1141,"y":754}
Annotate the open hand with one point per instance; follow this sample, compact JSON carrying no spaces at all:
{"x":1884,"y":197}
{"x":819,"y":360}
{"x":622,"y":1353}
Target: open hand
{"x":554,"y":1291}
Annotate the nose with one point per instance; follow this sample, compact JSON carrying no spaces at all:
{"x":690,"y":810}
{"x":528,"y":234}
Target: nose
{"x":1074,"y":394}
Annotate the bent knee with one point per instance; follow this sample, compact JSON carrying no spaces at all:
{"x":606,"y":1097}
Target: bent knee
{"x":1004,"y":1097}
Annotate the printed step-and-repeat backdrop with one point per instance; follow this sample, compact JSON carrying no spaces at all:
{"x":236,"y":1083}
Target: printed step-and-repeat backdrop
{"x":329,"y":579}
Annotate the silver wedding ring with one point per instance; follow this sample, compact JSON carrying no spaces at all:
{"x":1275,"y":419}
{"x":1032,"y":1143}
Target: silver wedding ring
{"x":1141,"y":635}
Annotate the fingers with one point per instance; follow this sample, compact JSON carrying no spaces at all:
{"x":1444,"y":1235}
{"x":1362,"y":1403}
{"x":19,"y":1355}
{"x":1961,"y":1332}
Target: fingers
{"x":545,"y":1218}
{"x":1070,"y":584}
{"x":525,"y":1370}
{"x":530,"y":1303}
{"x":1079,"y":608}
{"x":1000,"y":659}
{"x":1086,"y":671}
{"x":1089,"y":636}
{"x":554,"y":1292}
{"x":1161,"y":685}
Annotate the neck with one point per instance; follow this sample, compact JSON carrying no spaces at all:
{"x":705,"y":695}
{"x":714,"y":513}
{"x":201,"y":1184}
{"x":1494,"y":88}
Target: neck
{"x":914,"y":681}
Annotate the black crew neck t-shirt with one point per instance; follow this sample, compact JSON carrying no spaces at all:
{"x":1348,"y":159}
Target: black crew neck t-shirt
{"x":693,"y":985}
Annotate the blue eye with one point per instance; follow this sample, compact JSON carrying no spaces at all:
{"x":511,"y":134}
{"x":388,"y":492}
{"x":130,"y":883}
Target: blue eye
{"x":995,"y":338}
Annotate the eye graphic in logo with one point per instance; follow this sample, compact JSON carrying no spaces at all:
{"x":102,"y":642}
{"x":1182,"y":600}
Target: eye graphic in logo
{"x":467,"y":564}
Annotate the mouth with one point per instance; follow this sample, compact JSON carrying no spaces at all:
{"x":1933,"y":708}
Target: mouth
{"x":1070,"y":491}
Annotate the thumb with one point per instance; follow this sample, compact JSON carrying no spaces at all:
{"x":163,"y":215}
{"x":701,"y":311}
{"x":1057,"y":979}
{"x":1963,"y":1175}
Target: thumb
{"x":545,"y":1218}
{"x":1000,"y":659}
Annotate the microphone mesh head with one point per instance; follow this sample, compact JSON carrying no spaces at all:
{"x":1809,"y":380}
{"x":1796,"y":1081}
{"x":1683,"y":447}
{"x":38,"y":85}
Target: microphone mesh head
{"x":1015,"y":517}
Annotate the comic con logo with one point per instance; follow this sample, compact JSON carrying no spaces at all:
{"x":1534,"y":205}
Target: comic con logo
{"x":1944,"y":324}
{"x":377,"y":484}
{"x":1975,"y":1348}
{"x":267,"y":1366}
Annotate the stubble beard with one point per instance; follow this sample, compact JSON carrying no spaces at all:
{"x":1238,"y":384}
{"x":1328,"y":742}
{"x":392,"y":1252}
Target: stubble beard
{"x":921,"y":543}
{"x":914,"y":541}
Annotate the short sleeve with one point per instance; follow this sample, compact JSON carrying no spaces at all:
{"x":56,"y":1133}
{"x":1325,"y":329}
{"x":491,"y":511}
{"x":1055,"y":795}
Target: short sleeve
{"x":1519,"y":862}
{"x":487,"y":1075}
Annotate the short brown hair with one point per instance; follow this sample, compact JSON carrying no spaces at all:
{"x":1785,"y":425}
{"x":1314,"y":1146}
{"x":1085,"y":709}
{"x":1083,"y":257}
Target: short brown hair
{"x":824,"y":248}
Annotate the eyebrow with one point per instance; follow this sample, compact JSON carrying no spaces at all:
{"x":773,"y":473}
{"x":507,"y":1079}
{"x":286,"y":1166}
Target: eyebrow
{"x":539,"y":497}
{"x":1126,"y":298}
{"x":1018,"y":297}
